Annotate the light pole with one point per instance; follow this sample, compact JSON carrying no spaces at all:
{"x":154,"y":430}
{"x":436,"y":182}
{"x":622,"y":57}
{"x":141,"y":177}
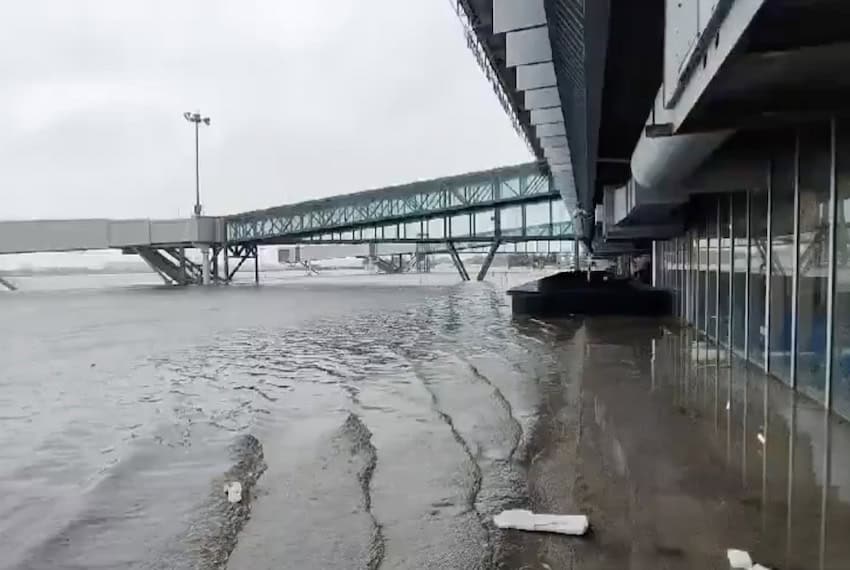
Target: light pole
{"x":197,"y":119}
{"x":205,"y":248}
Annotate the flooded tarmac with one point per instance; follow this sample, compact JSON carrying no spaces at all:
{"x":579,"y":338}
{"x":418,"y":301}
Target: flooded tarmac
{"x":382,"y":422}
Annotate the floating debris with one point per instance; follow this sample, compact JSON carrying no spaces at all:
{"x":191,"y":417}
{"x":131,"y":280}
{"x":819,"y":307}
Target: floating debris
{"x":520,"y":519}
{"x":234,"y":491}
{"x":739,"y":559}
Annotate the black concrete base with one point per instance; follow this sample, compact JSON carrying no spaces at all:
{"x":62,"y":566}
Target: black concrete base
{"x":571,"y":293}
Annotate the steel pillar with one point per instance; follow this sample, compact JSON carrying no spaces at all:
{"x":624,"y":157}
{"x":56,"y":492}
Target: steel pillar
{"x":243,"y":252}
{"x":226,"y":261}
{"x":457,"y":261}
{"x":256,"y":264}
{"x":205,"y":264}
{"x":183,"y":280}
{"x":215,"y":251}
{"x":488,"y":260}
{"x":576,"y":254}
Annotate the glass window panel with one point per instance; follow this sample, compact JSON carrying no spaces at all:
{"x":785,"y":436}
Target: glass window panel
{"x":683,"y":275}
{"x":782,"y":257}
{"x":758,"y":273}
{"x":724,"y":264}
{"x":511,"y":220}
{"x":510,"y":187}
{"x":813,"y":289}
{"x":537,"y":213}
{"x":484,"y":223}
{"x":412,"y":230}
{"x":559,"y":211}
{"x":841,"y":309}
{"x":702,"y":264}
{"x":739,"y":269}
{"x":460,"y":225}
{"x":711,"y":278}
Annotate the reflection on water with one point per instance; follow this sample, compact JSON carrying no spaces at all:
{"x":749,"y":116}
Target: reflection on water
{"x":789,"y":456}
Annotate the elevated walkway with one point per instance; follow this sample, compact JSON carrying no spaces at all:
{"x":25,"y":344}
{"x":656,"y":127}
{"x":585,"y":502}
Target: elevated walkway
{"x":38,"y":236}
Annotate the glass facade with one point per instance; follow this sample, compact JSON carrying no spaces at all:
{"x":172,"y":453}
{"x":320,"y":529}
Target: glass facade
{"x":841,"y":308}
{"x":764,"y":270}
{"x":782,"y":223}
{"x":740,"y":269}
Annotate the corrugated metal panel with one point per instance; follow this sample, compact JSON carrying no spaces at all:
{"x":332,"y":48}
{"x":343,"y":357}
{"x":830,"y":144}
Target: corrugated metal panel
{"x":578,"y":31}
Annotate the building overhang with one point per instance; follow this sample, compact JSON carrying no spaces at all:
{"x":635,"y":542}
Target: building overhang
{"x":576,"y":77}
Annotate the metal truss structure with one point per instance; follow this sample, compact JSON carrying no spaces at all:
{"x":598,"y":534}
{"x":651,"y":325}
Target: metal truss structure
{"x":392,"y":214}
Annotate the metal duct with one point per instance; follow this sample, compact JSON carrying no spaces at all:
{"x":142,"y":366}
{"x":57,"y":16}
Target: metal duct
{"x":668,"y":160}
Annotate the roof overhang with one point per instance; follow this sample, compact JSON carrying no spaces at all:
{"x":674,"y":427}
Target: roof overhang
{"x":579,"y":99}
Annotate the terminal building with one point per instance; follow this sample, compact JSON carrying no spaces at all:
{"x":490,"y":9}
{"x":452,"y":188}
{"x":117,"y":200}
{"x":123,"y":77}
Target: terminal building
{"x":711,"y":134}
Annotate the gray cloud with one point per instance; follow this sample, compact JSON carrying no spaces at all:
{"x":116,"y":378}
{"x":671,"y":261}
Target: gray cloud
{"x":308,"y":99}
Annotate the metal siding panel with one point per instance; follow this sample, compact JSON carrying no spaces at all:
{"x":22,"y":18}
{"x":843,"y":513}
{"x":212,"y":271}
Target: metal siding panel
{"x":542,"y":98}
{"x":517,"y":14}
{"x":535,"y":76}
{"x":551,"y":130}
{"x":528,"y":46}
{"x":554,"y":142}
{"x":544,"y":116}
{"x":125,"y":233}
{"x":53,"y":235}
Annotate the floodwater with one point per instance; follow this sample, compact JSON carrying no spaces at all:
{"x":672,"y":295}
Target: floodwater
{"x":380,"y":422}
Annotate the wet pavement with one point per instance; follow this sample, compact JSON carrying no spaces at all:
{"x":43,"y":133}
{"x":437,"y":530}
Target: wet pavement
{"x":632,"y":421}
{"x":385,"y":423}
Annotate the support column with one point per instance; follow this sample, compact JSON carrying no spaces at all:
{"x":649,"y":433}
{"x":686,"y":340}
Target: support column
{"x":226,"y":261}
{"x":205,"y":265}
{"x":488,"y":260}
{"x":576,"y":254}
{"x":256,"y":264}
{"x":7,"y":285}
{"x":215,"y":252}
{"x":457,"y":261}
{"x":183,"y":280}
{"x":655,"y":263}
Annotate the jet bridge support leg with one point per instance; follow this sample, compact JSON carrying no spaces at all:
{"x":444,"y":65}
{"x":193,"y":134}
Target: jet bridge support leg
{"x":488,"y":260}
{"x":457,"y":261}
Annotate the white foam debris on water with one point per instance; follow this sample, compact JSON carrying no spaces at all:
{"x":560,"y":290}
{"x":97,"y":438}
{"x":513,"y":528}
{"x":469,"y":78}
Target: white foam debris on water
{"x":234,"y":491}
{"x":759,"y":567}
{"x":739,"y":559}
{"x":521,"y":519}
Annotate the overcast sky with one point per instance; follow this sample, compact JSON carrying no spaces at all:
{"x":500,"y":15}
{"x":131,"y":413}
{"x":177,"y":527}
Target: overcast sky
{"x":308,"y":98}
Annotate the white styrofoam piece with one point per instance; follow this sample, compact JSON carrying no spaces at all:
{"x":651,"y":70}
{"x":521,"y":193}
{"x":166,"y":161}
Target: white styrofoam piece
{"x":521,"y":519}
{"x":517,"y":14}
{"x":739,"y":559}
{"x":234,"y":491}
{"x":528,"y":46}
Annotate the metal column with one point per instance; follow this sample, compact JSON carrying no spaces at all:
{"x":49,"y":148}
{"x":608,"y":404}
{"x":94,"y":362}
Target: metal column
{"x":833,"y":262}
{"x":488,"y":261}
{"x":256,"y":264}
{"x":183,"y":280}
{"x":226,"y":261}
{"x":795,"y":263}
{"x":457,"y":261}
